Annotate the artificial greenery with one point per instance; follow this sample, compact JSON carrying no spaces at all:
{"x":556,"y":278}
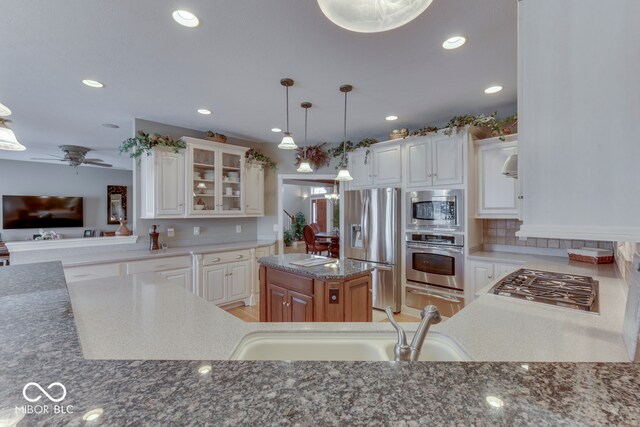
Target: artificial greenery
{"x":348,"y":146}
{"x":425,"y":130}
{"x":299,"y":221}
{"x":143,"y":143}
{"x":496,"y":127}
{"x":255,"y":156}
{"x":316,"y":155}
{"x":287,"y":237}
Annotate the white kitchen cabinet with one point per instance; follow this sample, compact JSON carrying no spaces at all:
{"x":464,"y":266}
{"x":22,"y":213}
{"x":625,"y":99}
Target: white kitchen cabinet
{"x":162,"y":178}
{"x":479,"y":274}
{"x":238,"y":280}
{"x":92,"y":272}
{"x":215,"y":283}
{"x":434,"y":160}
{"x":497,"y":193}
{"x":253,"y":190}
{"x":383,"y":166}
{"x":225,"y":276}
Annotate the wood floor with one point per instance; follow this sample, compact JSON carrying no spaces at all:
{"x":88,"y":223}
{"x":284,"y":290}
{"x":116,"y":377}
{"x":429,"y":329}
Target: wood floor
{"x":252,"y":314}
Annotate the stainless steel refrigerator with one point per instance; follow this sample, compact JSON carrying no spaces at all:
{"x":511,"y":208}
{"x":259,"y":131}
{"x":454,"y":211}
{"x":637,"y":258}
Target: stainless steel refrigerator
{"x":372,"y":234}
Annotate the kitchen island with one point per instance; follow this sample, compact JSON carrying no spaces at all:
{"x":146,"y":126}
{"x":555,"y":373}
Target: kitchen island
{"x":331,"y":291}
{"x":41,"y":344}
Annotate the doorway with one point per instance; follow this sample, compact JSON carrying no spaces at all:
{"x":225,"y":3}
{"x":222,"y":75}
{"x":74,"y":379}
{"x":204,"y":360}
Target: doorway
{"x":319,"y":213}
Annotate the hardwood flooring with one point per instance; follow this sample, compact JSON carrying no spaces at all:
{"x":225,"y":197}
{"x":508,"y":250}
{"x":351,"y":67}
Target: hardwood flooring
{"x":252,"y":314}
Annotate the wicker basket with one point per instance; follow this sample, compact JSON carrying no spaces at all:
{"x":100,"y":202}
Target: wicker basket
{"x":217,"y":137}
{"x":592,"y":256}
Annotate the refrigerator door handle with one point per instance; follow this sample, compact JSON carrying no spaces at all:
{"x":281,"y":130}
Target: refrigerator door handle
{"x":365,"y":222}
{"x":384,"y":268}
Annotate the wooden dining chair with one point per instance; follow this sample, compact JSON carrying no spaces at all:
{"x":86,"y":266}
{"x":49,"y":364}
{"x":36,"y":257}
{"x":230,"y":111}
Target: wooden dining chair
{"x":312,"y":245}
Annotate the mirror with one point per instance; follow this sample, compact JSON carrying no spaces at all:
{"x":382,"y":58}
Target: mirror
{"x":116,"y":204}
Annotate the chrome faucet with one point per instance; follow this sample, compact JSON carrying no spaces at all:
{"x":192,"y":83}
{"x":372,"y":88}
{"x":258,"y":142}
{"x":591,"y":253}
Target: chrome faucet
{"x":403,"y":352}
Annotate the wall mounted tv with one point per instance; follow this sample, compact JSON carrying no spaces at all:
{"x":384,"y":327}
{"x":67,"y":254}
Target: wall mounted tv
{"x":19,"y":212}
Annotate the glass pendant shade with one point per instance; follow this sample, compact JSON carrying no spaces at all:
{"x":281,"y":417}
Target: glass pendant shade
{"x":372,"y":16}
{"x":305,"y":167}
{"x":8,"y":139}
{"x":344,"y":175}
{"x":287,"y":142}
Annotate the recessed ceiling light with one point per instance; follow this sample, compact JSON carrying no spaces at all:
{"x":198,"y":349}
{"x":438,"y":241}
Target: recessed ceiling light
{"x":391,"y":118}
{"x":276,"y":130}
{"x":186,"y":18}
{"x":93,"y":414}
{"x":204,"y":111}
{"x":4,"y":110}
{"x":493,"y":89}
{"x":92,"y":83}
{"x":454,"y":42}
{"x":495,"y":401}
{"x":110,"y":125}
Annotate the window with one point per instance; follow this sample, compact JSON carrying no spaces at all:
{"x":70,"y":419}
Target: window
{"x":318,"y":190}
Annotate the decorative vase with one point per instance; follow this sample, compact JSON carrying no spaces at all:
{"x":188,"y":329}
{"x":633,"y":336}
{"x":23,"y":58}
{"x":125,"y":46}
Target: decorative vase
{"x":123,"y":230}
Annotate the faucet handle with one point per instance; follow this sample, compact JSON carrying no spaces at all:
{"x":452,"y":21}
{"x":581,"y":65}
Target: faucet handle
{"x":402,"y":336}
{"x":431,"y":311}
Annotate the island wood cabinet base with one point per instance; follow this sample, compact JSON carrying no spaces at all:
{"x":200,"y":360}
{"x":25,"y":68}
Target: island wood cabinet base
{"x":289,"y":297}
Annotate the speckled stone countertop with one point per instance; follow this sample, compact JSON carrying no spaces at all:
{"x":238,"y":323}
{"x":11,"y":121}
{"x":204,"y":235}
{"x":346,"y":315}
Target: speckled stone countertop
{"x":339,"y":269}
{"x":40,"y":344}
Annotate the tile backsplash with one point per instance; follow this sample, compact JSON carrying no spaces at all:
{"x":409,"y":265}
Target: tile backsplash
{"x":503,"y":232}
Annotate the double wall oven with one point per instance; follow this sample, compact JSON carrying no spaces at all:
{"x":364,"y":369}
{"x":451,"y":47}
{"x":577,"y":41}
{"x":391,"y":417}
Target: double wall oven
{"x":435,"y":250}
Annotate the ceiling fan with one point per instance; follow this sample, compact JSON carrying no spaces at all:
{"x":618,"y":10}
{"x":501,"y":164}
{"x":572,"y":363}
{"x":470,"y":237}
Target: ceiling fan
{"x":75,"y":156}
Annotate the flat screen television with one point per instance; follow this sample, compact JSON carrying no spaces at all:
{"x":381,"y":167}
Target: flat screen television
{"x":19,"y":212}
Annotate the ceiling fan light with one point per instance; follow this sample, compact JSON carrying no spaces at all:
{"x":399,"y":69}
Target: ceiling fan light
{"x":4,"y":110}
{"x":344,"y":175}
{"x":305,"y":167}
{"x":372,"y":16}
{"x":8,"y":139}
{"x":287,"y":142}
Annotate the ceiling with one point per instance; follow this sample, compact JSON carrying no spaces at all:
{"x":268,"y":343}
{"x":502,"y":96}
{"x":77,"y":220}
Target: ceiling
{"x":232,"y":64}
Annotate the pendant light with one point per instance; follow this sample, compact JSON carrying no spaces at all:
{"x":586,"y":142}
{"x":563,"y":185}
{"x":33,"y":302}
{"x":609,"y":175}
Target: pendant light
{"x":305,"y":167}
{"x":333,"y":197}
{"x":343,"y":173}
{"x":287,"y":141}
{"x":8,"y":139}
{"x":372,"y":16}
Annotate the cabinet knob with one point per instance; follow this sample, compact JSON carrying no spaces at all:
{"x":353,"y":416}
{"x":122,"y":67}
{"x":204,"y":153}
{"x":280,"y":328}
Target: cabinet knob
{"x":288,"y":304}
{"x":490,"y":276}
{"x":284,"y":303}
{"x":521,"y":197}
{"x":429,"y":175}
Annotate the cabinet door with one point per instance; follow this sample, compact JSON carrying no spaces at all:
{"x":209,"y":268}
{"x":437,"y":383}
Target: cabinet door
{"x":170,"y":183}
{"x":357,"y":300}
{"x":215,"y":289}
{"x":504,"y":269}
{"x":497,"y":193}
{"x":201,"y":180}
{"x":447,"y":159}
{"x":361,"y":172}
{"x":230,"y":182}
{"x":253,"y":190}
{"x":182,"y":277}
{"x":418,"y":170}
{"x":482,"y":274}
{"x":276,"y":304}
{"x":299,"y":307}
{"x":238,"y":281}
{"x":387,"y":165}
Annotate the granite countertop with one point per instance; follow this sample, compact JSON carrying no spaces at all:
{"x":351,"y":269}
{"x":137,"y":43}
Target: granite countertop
{"x":40,"y":344}
{"x":132,"y":255}
{"x":339,"y":269}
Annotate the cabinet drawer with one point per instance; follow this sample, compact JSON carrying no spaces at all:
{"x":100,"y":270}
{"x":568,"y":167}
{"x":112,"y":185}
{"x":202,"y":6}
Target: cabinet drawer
{"x":224,"y":257}
{"x":88,"y":272}
{"x":290,"y":281}
{"x":161,"y":264}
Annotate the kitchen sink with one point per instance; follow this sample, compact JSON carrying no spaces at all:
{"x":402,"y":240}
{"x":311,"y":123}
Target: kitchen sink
{"x":341,"y":346}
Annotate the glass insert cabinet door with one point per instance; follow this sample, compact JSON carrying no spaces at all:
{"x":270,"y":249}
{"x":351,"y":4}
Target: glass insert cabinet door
{"x":204,"y":199}
{"x":231,"y":185}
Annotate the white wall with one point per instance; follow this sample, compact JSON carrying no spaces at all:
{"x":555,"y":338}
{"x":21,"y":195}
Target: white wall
{"x":31,"y":178}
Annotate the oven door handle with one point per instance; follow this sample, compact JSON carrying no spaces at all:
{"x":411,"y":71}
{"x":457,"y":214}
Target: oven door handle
{"x":429,"y":294}
{"x":439,"y":248}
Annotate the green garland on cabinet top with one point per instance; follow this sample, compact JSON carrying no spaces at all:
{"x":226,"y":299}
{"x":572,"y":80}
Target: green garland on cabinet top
{"x":143,"y":143}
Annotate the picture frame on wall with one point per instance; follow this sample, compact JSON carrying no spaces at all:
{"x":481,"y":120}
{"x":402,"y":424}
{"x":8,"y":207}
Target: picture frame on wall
{"x":88,"y":233}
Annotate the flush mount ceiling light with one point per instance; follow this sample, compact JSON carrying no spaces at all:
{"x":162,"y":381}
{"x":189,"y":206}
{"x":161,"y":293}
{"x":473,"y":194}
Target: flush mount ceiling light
{"x":287,"y":142}
{"x":305,"y":166}
{"x":493,"y":89}
{"x":185,"y":18}
{"x":110,"y":125}
{"x":204,"y":111}
{"x":454,"y":42}
{"x":8,"y":139}
{"x":276,"y":130}
{"x":4,"y":110}
{"x":343,"y":173}
{"x":391,"y":118}
{"x":372,"y":16}
{"x":93,"y":83}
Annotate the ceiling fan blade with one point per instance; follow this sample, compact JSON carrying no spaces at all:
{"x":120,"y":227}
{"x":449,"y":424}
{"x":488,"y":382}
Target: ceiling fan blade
{"x":94,"y":160}
{"x":104,"y":165}
{"x":48,"y":160}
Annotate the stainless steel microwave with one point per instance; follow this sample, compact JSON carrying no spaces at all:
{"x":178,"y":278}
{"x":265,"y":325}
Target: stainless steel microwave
{"x":435,"y":209}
